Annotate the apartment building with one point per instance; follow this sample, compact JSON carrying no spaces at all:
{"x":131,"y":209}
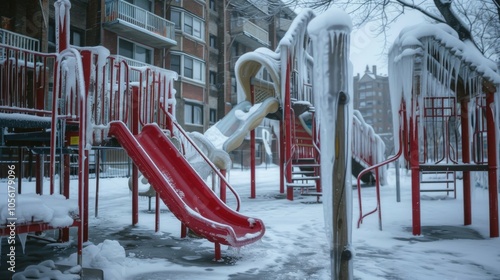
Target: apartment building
{"x":372,"y":99}
{"x":199,"y":39}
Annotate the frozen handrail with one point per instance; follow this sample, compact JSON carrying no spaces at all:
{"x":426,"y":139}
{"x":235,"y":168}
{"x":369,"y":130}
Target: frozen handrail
{"x":377,"y":186}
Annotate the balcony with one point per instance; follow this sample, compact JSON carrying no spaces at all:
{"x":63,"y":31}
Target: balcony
{"x":133,"y":22}
{"x":248,"y":33}
{"x":18,"y":41}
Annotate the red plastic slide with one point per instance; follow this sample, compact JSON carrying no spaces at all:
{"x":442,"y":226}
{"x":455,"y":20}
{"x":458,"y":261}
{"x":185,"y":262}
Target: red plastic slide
{"x":182,"y":190}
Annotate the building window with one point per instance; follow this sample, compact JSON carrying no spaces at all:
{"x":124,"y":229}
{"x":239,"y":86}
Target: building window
{"x":193,"y":113}
{"x":191,"y":24}
{"x":213,"y":78}
{"x":188,"y":67}
{"x":175,"y":63}
{"x":135,"y":51}
{"x":213,"y":116}
{"x":213,"y":41}
{"x":233,"y":85}
{"x":212,"y":5}
{"x":175,"y":17}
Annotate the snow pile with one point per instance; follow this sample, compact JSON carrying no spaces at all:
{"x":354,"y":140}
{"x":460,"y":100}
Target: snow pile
{"x":108,"y":256}
{"x":47,"y":270}
{"x":55,"y":210}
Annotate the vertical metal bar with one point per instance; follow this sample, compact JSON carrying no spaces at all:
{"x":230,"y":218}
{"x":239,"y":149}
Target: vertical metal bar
{"x":415,"y":174}
{"x":492,"y":165}
{"x":135,"y":171}
{"x":252,"y":151}
{"x":288,"y":129}
{"x":464,"y":108}
{"x":97,"y":168}
{"x":223,"y":186}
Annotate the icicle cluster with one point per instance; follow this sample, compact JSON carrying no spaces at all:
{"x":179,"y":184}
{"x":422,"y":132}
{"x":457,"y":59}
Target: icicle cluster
{"x":440,"y":59}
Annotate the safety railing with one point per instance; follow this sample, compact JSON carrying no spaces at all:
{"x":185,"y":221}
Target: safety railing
{"x":139,"y":17}
{"x":440,"y":121}
{"x":26,"y":80}
{"x":18,"y":41}
{"x":375,"y":168}
{"x":243,"y":25}
{"x":367,"y":146}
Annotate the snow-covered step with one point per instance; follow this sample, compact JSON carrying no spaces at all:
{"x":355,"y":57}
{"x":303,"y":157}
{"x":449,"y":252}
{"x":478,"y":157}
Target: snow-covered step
{"x":311,"y":194}
{"x":302,"y":172}
{"x":304,"y":178}
{"x":301,"y":185}
{"x":437,"y":181}
{"x":437,"y":190}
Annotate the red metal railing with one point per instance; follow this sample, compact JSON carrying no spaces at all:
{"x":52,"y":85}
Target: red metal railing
{"x":26,"y":80}
{"x":375,"y":168}
{"x":367,"y":147}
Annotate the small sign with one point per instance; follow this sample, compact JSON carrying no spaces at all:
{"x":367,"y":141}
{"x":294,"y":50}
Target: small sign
{"x":73,"y":140}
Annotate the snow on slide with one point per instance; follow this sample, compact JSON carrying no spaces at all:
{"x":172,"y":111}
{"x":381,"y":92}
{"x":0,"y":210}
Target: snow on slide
{"x":229,"y":133}
{"x":182,"y":190}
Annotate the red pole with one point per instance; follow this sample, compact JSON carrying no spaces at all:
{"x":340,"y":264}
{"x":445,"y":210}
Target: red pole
{"x":135,"y":171}
{"x":492,"y":165}
{"x":87,"y":66}
{"x":157,"y":212}
{"x":288,"y":132}
{"x":97,"y":168}
{"x":223,"y":186}
{"x":39,"y":159}
{"x":62,"y":27}
{"x":282,"y":157}
{"x":218,"y":254}
{"x":466,"y":159}
{"x":415,"y":175}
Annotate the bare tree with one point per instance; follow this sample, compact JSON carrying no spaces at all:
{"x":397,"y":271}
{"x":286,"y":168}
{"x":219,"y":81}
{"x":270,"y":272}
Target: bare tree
{"x":477,"y":21}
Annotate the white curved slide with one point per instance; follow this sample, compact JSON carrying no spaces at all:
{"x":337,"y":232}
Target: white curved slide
{"x":229,"y":132}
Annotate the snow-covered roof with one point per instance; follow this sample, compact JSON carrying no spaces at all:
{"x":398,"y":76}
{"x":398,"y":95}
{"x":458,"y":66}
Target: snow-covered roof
{"x":412,"y":41}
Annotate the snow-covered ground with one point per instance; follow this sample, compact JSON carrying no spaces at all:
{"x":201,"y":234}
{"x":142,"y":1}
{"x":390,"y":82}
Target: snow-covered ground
{"x":295,"y":245}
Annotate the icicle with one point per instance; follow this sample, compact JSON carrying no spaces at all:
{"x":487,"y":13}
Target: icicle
{"x":22,"y":238}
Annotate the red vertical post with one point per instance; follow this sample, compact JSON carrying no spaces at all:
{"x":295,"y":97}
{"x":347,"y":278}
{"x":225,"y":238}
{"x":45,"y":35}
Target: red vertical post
{"x":97,"y":169}
{"x":62,"y":26}
{"x":21,"y":169}
{"x":64,"y":233}
{"x":288,"y":132}
{"x":39,"y":174}
{"x":218,"y":254}
{"x":84,"y":182}
{"x":135,"y":171}
{"x":157,"y":212}
{"x":464,"y":109}
{"x":282,"y":157}
{"x":492,"y":165}
{"x":415,"y":174}
{"x":223,"y":186}
{"x":252,"y":150}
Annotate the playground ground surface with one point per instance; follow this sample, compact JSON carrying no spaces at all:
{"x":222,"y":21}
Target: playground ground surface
{"x":294,"y":246}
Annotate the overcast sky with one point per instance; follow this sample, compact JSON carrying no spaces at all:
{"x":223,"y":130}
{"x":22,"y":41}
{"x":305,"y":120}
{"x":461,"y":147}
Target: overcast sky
{"x":367,"y":48}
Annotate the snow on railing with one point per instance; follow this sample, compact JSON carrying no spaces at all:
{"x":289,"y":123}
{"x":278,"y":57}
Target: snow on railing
{"x":367,"y":146}
{"x":139,"y":17}
{"x":26,"y":80}
{"x":18,"y":41}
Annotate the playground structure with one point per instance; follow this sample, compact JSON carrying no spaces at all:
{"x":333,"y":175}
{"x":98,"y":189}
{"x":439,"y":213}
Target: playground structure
{"x":287,"y":75}
{"x":446,"y":94}
{"x":66,"y":103}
